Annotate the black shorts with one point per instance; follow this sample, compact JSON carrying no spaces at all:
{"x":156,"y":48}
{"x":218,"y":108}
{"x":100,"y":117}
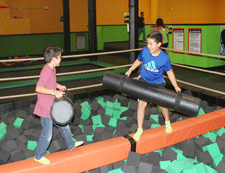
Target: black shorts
{"x":161,"y":85}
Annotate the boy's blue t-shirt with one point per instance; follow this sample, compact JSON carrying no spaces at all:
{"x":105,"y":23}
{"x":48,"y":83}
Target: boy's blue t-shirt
{"x":152,"y":67}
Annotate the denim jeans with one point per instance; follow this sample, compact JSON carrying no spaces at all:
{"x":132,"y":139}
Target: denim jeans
{"x":141,"y":30}
{"x":46,"y":136}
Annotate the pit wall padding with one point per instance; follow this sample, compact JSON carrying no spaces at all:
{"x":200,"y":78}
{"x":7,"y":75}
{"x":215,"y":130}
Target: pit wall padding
{"x":106,"y":152}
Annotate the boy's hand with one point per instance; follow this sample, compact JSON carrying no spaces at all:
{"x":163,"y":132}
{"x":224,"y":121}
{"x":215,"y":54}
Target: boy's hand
{"x":59,"y":94}
{"x":128,"y":73}
{"x":62,"y":88}
{"x":177,"y":88}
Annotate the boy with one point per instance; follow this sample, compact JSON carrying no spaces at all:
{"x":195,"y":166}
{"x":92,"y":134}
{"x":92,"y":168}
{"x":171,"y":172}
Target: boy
{"x":153,"y":61}
{"x":46,"y":89}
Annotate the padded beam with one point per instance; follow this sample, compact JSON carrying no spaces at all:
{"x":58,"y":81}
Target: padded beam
{"x":168,"y":98}
{"x":103,"y":153}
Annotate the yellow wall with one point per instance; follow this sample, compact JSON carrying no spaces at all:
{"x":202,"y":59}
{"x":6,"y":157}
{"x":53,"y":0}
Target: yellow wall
{"x":41,"y":21}
{"x":78,"y":15}
{"x":187,"y":11}
{"x":3,"y":2}
{"x":220,"y":11}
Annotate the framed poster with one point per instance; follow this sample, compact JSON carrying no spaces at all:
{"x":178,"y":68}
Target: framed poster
{"x":195,"y":40}
{"x":153,"y":28}
{"x":178,"y":39}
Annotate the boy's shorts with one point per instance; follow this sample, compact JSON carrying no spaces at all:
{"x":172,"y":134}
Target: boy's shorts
{"x":162,"y":85}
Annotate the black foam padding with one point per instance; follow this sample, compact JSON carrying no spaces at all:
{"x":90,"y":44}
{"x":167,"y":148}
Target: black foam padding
{"x":144,"y":158}
{"x":76,"y":130}
{"x":22,"y":139}
{"x":10,"y":146}
{"x":11,"y":120}
{"x":109,"y":130}
{"x":22,"y":147}
{"x":77,"y":111}
{"x":201,"y":142}
{"x":154,"y":158}
{"x":62,"y":110}
{"x":29,"y":153}
{"x":2,"y":142}
{"x":4,"y":155}
{"x":81,"y":138}
{"x":20,"y":131}
{"x":127,"y":113}
{"x":134,"y":159}
{"x":95,"y":171}
{"x":168,"y":154}
{"x":21,"y":114}
{"x":28,"y":133}
{"x":11,"y":134}
{"x":56,"y":145}
{"x":95,"y":105}
{"x":204,"y":157}
{"x":133,"y":104}
{"x":189,"y":148}
{"x":133,"y":128}
{"x":223,"y":137}
{"x":4,"y":116}
{"x":106,"y":135}
{"x":118,"y":164}
{"x":188,"y":104}
{"x":124,"y":103}
{"x":86,"y":122}
{"x":129,"y":169}
{"x":88,"y":130}
{"x":106,"y":169}
{"x":221,"y":167}
{"x":105,"y":120}
{"x":130,"y":121}
{"x":145,"y":167}
{"x":158,"y":170}
{"x":221,"y":145}
{"x":27,"y":123}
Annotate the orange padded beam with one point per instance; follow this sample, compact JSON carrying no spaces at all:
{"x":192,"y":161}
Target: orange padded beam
{"x":102,"y":153}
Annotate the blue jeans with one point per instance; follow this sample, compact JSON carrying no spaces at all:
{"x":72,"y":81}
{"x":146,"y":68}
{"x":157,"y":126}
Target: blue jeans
{"x":46,"y":136}
{"x":141,"y":30}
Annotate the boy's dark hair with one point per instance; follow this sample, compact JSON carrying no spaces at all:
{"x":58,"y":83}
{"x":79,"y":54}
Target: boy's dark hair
{"x":155,"y":35}
{"x":222,"y":37}
{"x":159,"y":22}
{"x":51,"y":51}
{"x":142,"y":13}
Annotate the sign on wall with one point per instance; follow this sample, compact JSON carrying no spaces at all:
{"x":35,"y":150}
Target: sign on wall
{"x":178,"y":39}
{"x":195,"y":40}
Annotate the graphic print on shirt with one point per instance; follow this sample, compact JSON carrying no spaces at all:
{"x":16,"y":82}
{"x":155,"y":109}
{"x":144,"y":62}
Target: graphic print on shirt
{"x":150,"y":66}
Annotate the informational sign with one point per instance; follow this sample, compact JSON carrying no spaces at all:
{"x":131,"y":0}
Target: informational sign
{"x":195,"y":40}
{"x":153,"y":28}
{"x":178,"y":39}
{"x":126,"y":17}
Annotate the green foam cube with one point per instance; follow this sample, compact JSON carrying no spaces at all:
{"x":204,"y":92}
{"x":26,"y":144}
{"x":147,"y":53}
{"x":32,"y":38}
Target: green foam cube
{"x":217,"y":159}
{"x":99,"y":98}
{"x":85,"y":104}
{"x":109,"y":111}
{"x":155,"y":125}
{"x":116,"y":114}
{"x":220,"y":132}
{"x":74,"y":139}
{"x":31,"y":145}
{"x":211,"y":136}
{"x":123,"y":118}
{"x":213,"y":149}
{"x":200,"y":168}
{"x":193,"y":170}
{"x":175,"y":166}
{"x":3,"y":125}
{"x":47,"y":152}
{"x":109,"y":105}
{"x":112,"y":122}
{"x":17,"y":124}
{"x":201,"y":112}
{"x":94,"y":126}
{"x":97,"y":119}
{"x":164,"y":164}
{"x":82,"y":127}
{"x":90,"y":137}
{"x":123,"y":109}
{"x":117,"y":106}
{"x":159,"y":151}
{"x":118,"y":170}
{"x":102,"y":103}
{"x":155,"y":117}
{"x":2,"y":136}
{"x":85,"y":116}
